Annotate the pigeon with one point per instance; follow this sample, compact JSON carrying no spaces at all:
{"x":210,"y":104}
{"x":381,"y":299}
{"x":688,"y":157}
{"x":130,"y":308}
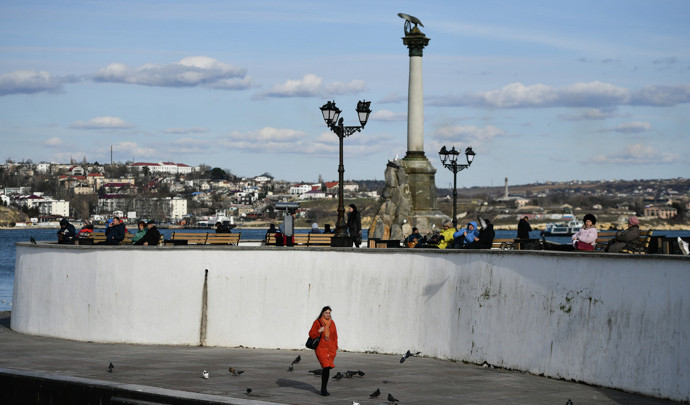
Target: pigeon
{"x":249,"y":391}
{"x":296,"y":360}
{"x":569,"y":402}
{"x":355,"y":403}
{"x":111,"y":368}
{"x":32,"y":240}
{"x":291,"y":367}
{"x":375,"y":394}
{"x":360,"y":373}
{"x":317,"y":371}
{"x":204,"y":374}
{"x":235,"y":372}
{"x":407,"y":355}
{"x":391,"y":398}
{"x":350,"y":373}
{"x":338,"y":376}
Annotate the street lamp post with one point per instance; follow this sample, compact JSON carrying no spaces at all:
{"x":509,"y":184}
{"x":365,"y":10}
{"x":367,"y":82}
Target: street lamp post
{"x":330,"y":115}
{"x":449,"y":159}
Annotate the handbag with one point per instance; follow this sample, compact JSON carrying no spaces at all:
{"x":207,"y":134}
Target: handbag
{"x":313,"y":343}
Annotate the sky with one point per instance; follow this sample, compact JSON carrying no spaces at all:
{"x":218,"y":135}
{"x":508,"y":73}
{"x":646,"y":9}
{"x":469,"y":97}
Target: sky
{"x":541,"y":90}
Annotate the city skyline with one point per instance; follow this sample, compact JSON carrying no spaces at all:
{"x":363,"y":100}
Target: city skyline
{"x":542,"y":92}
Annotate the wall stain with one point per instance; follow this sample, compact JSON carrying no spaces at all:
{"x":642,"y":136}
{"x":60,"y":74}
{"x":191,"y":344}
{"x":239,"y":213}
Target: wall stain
{"x":204,"y":311}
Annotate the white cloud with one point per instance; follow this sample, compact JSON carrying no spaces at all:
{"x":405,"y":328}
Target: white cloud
{"x":311,"y":85}
{"x":134,"y":150}
{"x":184,"y":131}
{"x":637,"y":154}
{"x":268,"y":134}
{"x":590,"y":114}
{"x":467,"y":134}
{"x":28,"y":82}
{"x":187,"y":72}
{"x":106,"y":122}
{"x":592,"y":95}
{"x":632,"y":127}
{"x":54,"y":141}
{"x":385,"y":115}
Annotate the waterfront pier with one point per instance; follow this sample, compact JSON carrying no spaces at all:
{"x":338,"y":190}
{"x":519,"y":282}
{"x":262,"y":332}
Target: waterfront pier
{"x":608,"y":320}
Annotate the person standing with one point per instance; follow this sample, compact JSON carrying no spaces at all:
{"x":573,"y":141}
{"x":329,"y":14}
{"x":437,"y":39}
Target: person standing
{"x":324,"y":327}
{"x":524,"y":228}
{"x":354,"y":224}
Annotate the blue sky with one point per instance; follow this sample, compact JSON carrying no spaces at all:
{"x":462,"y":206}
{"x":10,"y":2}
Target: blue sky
{"x":541,"y":90}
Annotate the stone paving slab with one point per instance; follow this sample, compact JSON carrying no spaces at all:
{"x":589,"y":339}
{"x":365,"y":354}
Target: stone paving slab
{"x":419,"y":380}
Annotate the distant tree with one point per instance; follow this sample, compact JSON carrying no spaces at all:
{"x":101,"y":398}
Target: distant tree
{"x":219,"y":174}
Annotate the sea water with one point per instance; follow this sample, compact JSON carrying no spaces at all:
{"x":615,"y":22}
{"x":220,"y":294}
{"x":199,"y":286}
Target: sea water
{"x":9,"y":236}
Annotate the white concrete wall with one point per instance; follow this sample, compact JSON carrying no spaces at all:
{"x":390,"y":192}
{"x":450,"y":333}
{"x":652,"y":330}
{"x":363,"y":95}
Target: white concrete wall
{"x":609,"y":320}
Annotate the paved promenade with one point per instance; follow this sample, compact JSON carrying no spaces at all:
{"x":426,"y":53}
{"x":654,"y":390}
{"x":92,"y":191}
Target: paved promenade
{"x":177,"y":371}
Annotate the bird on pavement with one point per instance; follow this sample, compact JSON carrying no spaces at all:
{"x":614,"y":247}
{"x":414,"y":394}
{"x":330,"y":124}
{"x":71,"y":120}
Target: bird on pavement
{"x":375,"y":394}
{"x":391,"y":398}
{"x":291,"y":367}
{"x":360,"y":373}
{"x":32,"y":240}
{"x":204,"y":374}
{"x":569,"y":402}
{"x":350,"y":373}
{"x":355,"y":403}
{"x":249,"y":391}
{"x":317,"y":371}
{"x":111,"y":368}
{"x":235,"y":372}
{"x":338,"y":376}
{"x":407,"y":355}
{"x":296,"y":360}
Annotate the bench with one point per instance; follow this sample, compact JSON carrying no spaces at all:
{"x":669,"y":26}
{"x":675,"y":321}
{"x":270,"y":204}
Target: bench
{"x":505,"y":244}
{"x":99,"y":237}
{"x":193,"y":238}
{"x":304,"y":239}
{"x":641,"y":245}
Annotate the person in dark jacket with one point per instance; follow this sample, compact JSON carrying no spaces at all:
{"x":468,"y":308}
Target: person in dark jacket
{"x":523,"y":228}
{"x":626,"y":238}
{"x":153,"y":236}
{"x":67,"y":232}
{"x":115,"y":232}
{"x":354,"y":224}
{"x":222,"y":228}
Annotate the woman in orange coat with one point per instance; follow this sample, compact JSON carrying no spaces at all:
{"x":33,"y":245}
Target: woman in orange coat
{"x":324,"y":327}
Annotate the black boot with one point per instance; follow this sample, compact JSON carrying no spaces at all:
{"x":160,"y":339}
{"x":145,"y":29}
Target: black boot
{"x":325,"y":373}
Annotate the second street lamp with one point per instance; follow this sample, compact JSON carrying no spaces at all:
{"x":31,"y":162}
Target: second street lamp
{"x":449,"y":159}
{"x":330,"y":115}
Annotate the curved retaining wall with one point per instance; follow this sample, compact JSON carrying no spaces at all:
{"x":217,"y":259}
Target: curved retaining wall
{"x":610,"y":320}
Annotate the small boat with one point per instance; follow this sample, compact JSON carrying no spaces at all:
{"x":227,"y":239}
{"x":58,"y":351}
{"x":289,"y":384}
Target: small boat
{"x":210,"y":222}
{"x":563,"y":228}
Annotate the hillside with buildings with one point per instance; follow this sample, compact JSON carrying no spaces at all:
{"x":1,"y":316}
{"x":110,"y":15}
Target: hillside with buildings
{"x":182,"y":195}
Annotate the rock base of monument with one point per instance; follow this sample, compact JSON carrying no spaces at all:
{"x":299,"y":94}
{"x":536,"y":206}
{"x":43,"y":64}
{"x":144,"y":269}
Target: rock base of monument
{"x":408,"y":200}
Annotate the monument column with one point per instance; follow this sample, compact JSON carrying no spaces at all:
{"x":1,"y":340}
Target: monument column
{"x":421,"y":174}
{"x":409,"y":198}
{"x":415,"y":41}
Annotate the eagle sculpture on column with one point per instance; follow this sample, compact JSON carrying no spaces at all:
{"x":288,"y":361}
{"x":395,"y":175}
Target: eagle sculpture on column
{"x":409,"y":20}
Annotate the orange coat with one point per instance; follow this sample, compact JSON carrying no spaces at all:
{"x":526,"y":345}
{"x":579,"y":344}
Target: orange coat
{"x":326,"y":350}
